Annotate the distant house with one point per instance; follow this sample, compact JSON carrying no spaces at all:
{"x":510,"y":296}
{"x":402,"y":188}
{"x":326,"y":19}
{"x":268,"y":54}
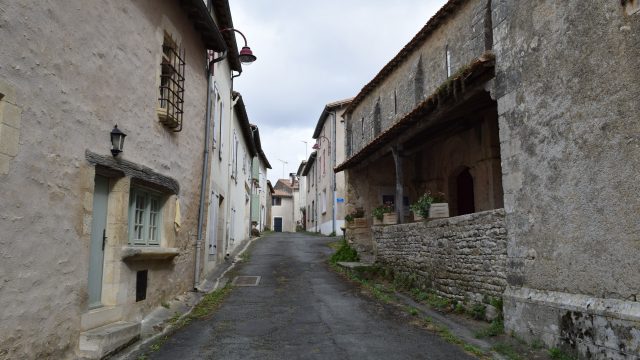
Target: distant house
{"x":283,"y":205}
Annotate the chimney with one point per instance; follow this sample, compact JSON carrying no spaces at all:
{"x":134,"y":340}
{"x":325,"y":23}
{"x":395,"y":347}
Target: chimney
{"x":293,"y":179}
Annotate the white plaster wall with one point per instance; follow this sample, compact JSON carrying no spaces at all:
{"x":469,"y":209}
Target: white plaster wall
{"x":219,"y":161}
{"x":238,"y":195}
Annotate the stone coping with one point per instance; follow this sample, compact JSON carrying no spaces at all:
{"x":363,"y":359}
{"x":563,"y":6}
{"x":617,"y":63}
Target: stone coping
{"x":453,"y":220}
{"x":613,"y":308}
{"x":137,"y":253}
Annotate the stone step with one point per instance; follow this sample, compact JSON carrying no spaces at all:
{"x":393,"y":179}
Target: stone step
{"x":104,"y":340}
{"x":354,"y":265}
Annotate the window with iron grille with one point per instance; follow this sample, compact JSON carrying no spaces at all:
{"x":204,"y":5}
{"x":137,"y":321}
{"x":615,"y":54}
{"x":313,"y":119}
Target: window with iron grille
{"x":171,"y":99}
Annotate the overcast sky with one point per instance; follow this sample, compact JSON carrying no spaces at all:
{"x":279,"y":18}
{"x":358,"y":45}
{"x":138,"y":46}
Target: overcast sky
{"x":311,"y":53}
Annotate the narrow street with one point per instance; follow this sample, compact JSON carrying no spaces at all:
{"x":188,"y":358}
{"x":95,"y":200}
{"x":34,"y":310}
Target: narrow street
{"x":301,"y":310}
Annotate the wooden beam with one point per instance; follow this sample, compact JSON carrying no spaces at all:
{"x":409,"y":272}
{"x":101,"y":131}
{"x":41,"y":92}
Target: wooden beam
{"x":397,"y":159}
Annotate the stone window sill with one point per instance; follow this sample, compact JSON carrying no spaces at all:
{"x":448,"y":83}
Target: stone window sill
{"x":138,"y":253}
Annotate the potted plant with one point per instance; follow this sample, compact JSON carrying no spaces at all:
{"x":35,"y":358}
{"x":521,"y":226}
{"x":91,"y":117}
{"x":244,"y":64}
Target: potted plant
{"x":439,"y":208}
{"x":385,"y":214}
{"x":356,"y":218}
{"x":421,"y":207}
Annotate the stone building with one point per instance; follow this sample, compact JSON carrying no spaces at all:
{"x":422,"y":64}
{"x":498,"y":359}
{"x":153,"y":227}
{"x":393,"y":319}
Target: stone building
{"x":92,"y":241}
{"x":522,"y":113}
{"x":328,"y":192}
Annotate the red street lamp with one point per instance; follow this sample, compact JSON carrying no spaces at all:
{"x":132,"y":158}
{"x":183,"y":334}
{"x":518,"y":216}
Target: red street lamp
{"x":246,"y":55}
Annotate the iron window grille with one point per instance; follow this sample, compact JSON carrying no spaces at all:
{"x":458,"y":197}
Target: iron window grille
{"x":171,"y":98}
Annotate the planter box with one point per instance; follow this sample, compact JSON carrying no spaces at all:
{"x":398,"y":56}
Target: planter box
{"x":377,"y":221}
{"x":417,"y":218}
{"x":439,"y":210}
{"x":390,"y":219}
{"x":358,"y":223}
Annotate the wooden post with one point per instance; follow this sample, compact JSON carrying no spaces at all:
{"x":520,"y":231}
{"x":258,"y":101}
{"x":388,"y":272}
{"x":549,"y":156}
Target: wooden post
{"x":395,"y":150}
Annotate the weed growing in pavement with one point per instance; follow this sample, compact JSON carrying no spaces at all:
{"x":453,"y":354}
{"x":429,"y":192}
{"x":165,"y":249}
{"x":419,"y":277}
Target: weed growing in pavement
{"x":557,"y":354}
{"x":537,"y":344}
{"x":478,"y":311}
{"x":474,"y":350}
{"x":506,"y":350}
{"x":210,"y":302}
{"x":245,"y":256}
{"x":165,"y":305}
{"x":494,"y":329}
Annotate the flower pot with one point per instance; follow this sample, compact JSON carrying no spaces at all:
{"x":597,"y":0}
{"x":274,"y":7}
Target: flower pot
{"x":390,"y":219}
{"x":439,"y":210}
{"x":417,"y":218}
{"x":377,"y":221}
{"x":360,"y":222}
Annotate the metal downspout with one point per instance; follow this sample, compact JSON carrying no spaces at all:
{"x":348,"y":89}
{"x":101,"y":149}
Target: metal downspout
{"x":333,"y":174}
{"x":205,"y":166}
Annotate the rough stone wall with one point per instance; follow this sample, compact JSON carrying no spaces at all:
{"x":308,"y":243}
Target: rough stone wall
{"x":76,"y":70}
{"x":567,"y":89}
{"x":462,"y":258}
{"x":462,"y":33}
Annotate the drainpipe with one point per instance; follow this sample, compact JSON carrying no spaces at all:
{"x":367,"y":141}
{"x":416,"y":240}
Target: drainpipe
{"x":333,"y":174}
{"x":253,"y":136}
{"x":205,"y":165}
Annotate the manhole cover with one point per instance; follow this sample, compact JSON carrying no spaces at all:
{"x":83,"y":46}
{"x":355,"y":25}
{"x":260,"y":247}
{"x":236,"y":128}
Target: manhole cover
{"x":246,"y":281}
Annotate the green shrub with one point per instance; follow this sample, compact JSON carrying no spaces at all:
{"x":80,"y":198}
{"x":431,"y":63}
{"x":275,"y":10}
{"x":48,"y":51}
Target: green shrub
{"x":344,"y":253}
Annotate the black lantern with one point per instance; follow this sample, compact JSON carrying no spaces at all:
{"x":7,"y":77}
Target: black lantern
{"x":117,"y":140}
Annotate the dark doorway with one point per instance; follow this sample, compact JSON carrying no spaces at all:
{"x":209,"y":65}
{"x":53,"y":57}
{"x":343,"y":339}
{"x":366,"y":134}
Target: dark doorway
{"x":464,"y":187}
{"x":277,"y":224}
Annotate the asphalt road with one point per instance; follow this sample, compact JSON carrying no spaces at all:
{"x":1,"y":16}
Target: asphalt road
{"x":301,"y":310}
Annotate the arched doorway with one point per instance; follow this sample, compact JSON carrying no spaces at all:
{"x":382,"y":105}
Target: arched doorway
{"x":464,"y":191}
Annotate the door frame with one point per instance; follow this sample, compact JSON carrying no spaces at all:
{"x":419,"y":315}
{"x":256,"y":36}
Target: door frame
{"x":99,"y":224}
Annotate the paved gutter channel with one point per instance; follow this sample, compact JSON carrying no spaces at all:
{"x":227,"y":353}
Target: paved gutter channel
{"x":461,"y":331}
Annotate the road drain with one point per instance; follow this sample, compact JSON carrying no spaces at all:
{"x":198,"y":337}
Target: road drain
{"x":246,"y":281}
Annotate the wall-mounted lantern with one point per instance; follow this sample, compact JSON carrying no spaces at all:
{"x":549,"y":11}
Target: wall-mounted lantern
{"x":117,"y":140}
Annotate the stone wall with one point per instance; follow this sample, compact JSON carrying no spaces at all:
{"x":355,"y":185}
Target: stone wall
{"x":461,"y":258}
{"x":567,"y":89}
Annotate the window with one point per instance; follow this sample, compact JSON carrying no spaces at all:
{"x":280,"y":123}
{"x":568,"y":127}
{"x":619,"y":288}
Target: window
{"x":171,"y":97}
{"x":395,"y":101}
{"x":448,"y":61}
{"x":145,"y":217}
{"x":377,"y":119}
{"x":362,"y":128}
{"x":276,"y":201}
{"x":234,"y":168}
{"x":324,"y":201}
{"x":218,"y":112}
{"x":313,"y":211}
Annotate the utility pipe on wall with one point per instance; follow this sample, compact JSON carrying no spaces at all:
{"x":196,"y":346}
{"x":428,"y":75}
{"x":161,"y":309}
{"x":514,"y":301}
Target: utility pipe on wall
{"x":205,"y":165}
